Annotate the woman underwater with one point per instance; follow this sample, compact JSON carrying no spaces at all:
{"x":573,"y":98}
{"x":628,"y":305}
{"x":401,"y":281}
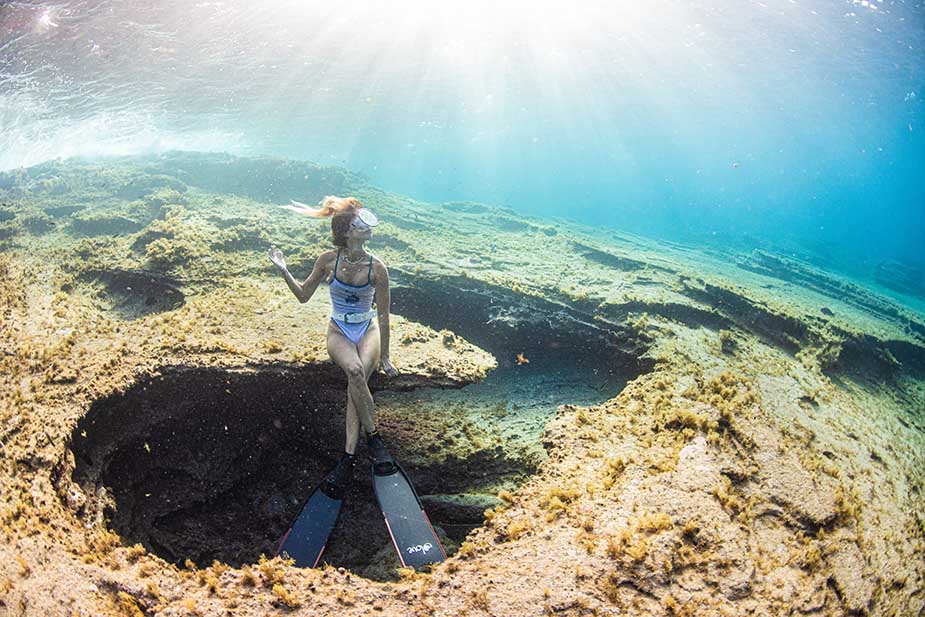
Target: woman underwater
{"x":356,"y":341}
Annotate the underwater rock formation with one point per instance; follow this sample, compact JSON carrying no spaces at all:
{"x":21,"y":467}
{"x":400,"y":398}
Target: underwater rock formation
{"x":166,"y":404}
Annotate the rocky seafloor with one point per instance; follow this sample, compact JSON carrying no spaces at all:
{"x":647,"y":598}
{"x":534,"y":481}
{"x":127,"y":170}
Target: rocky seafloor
{"x":597,"y":423}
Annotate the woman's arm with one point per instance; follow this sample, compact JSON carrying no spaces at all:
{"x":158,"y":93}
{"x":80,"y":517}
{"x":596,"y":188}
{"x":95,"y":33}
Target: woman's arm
{"x":383,"y":299}
{"x":306,"y":289}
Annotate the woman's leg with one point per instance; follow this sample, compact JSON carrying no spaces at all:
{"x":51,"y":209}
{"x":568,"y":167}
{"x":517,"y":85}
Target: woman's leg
{"x":368,"y":350}
{"x":346,"y":355}
{"x":353,"y":426}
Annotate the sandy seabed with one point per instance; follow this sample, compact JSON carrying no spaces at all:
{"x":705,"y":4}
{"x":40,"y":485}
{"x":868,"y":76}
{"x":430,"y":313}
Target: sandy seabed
{"x":165,"y":403}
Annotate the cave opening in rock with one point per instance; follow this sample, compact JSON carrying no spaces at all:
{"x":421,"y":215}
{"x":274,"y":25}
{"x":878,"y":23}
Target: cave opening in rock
{"x":212,"y":464}
{"x":207,"y":464}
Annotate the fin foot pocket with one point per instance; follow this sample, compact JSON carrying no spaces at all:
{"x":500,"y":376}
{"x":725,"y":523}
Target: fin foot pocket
{"x":338,"y":480}
{"x":383,"y":463}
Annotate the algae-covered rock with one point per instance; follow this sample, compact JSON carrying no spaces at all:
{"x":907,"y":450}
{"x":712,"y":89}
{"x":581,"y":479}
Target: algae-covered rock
{"x":175,"y":240}
{"x":268,"y":179}
{"x":171,"y":252}
{"x":242,"y":237}
{"x":810,"y":498}
{"x":461,"y":507}
{"x":38,"y":223}
{"x":163,"y":196}
{"x":8,"y":230}
{"x":99,"y":224}
{"x":850,"y":577}
{"x":63,"y":211}
{"x":143,"y":185}
{"x":49,"y":185}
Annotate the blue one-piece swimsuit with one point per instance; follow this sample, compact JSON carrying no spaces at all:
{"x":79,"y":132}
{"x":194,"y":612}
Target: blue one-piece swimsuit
{"x":347,"y":298}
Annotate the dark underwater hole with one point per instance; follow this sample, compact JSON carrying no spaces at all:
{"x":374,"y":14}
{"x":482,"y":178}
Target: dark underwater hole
{"x":130,"y":294}
{"x":207,"y":464}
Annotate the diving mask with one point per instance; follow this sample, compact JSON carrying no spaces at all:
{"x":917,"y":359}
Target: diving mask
{"x":365,"y":218}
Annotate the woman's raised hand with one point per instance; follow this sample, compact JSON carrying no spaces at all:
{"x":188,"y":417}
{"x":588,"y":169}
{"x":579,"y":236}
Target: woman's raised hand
{"x":276,"y":256}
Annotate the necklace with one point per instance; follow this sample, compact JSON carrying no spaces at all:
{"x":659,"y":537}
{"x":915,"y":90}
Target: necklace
{"x":360,"y":260}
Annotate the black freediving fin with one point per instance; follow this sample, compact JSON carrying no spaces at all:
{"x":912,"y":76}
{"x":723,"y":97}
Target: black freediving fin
{"x":411,"y":531}
{"x":308,"y":535}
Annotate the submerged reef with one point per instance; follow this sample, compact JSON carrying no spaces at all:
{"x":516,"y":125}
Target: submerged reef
{"x":754,"y":444}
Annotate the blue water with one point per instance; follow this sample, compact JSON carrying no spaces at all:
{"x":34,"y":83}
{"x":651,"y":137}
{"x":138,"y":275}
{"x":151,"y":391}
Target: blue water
{"x":792,"y":124}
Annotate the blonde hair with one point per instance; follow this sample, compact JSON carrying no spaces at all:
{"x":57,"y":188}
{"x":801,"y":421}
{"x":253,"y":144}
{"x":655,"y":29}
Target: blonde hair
{"x":341,"y":209}
{"x":326,"y":207}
